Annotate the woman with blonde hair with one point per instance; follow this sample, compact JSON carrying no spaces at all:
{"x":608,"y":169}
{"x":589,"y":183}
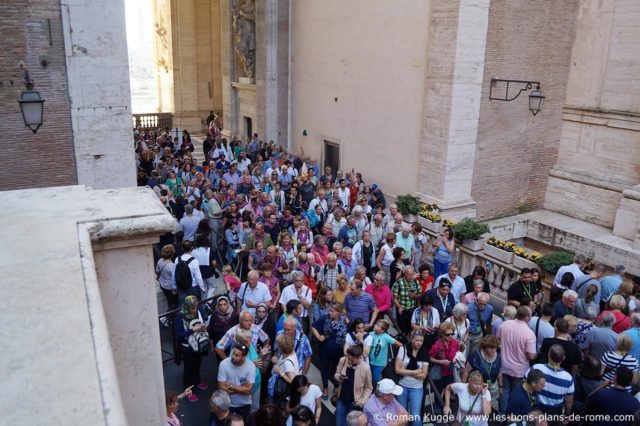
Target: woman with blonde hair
{"x":616,"y":305}
{"x":164,"y":273}
{"x":474,"y":401}
{"x":621,"y":357}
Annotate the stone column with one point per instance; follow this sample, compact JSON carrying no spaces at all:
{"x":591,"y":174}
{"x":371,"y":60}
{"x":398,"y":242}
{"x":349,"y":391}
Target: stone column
{"x":455,"y":66}
{"x":227,"y":59}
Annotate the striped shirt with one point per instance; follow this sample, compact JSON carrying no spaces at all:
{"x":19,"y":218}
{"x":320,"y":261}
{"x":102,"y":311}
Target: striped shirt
{"x":559,"y":384}
{"x":613,"y":360}
{"x":359,"y":307}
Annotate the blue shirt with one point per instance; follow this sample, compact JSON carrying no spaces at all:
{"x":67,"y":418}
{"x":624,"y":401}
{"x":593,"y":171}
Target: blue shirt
{"x":301,"y":346}
{"x":559,"y":383}
{"x":521,"y":402}
{"x":476,"y":316}
{"x":609,"y":285}
{"x":379,"y":349}
{"x":634,"y":333}
{"x":359,"y":307}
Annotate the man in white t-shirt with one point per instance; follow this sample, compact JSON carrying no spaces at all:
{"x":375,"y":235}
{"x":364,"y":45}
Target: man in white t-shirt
{"x":298,"y":291}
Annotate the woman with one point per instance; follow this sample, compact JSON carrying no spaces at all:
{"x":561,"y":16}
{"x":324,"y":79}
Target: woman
{"x":303,"y":234}
{"x":267,"y":415}
{"x":587,"y":301}
{"x":445,"y":247}
{"x":411,"y":367}
{"x":426,"y":319}
{"x":320,"y":251}
{"x":365,"y":253}
{"x":342,"y":288}
{"x":621,"y":357}
{"x":474,"y":401}
{"x":204,"y":255}
{"x":331,"y":331}
{"x":396,"y":267}
{"x":316,"y":218}
{"x":587,"y":381}
{"x":174,"y":183}
{"x":420,"y":246}
{"x":425,"y":279}
{"x":385,"y":256}
{"x":266,"y":321}
{"x":285,"y":367}
{"x":222,"y":319}
{"x":461,"y":324}
{"x":183,"y":329}
{"x":441,"y":355}
{"x":234,"y":242}
{"x":304,"y":394}
{"x":231,"y":215}
{"x":616,"y":304}
{"x":303,"y":416}
{"x":358,"y":336}
{"x":487,"y":361}
{"x":289,"y":251}
{"x":293,"y":200}
{"x":257,"y":255}
{"x":471,"y":297}
{"x":171,"y":404}
{"x":277,"y":196}
{"x":322,"y":302}
{"x":267,"y":278}
{"x":164,"y":272}
{"x":626,"y":291}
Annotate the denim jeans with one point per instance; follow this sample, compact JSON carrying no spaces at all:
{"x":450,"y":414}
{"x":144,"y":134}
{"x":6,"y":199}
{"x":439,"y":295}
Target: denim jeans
{"x":376,"y":374}
{"x":342,"y":411}
{"x":510,"y":384}
{"x":411,"y":399}
{"x":440,"y":268}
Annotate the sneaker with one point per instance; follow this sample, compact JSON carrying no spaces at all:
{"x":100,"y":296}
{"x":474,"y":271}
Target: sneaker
{"x":202,"y":386}
{"x":192,"y":397}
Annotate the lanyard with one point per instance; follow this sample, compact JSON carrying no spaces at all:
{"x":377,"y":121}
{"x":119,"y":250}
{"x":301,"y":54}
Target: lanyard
{"x":486,"y":363}
{"x":527,"y":289}
{"x":444,"y":303}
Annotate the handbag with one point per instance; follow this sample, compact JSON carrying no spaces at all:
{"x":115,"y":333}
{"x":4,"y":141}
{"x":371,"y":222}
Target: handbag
{"x":435,"y":372}
{"x":389,"y":371}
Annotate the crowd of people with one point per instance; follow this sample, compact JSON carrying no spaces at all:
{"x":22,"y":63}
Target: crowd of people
{"x":276,"y":264}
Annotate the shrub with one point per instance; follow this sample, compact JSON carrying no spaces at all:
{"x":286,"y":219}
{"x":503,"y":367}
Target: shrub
{"x":408,"y":204}
{"x":553,"y":261}
{"x":469,"y":229}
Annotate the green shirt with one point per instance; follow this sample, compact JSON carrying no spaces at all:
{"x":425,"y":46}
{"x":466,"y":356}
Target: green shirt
{"x":401,"y":290}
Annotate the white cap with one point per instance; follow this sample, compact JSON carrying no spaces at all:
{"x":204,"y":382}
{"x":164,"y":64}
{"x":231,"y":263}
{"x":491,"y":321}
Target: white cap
{"x":388,"y":386}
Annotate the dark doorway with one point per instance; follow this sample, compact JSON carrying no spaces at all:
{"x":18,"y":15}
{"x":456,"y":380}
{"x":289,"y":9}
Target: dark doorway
{"x":248,"y":127}
{"x":332,"y":156}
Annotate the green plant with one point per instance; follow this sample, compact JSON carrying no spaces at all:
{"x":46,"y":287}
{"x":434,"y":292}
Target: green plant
{"x":553,"y":261}
{"x":469,"y":229}
{"x":408,"y":204}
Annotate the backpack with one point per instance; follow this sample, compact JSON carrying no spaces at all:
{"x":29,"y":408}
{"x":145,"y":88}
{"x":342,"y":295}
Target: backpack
{"x":199,"y":341}
{"x":184,"y":280}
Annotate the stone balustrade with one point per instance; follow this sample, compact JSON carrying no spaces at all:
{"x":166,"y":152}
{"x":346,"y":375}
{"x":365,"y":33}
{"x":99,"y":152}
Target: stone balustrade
{"x":152,"y":121}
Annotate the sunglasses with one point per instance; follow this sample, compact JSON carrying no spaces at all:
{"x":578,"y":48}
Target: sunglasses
{"x":448,"y":334}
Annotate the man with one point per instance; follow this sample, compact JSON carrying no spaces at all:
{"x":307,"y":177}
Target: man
{"x":581,"y":285}
{"x":219,"y":404}
{"x":328,"y":175}
{"x":232,"y":177}
{"x":443,"y":300}
{"x":344,"y":195}
{"x":602,"y":339}
{"x":300,"y":292}
{"x":354,"y":384}
{"x":518,"y":347}
{"x":259,"y":235}
{"x":320,"y":199}
{"x":272,"y":227}
{"x":197,"y":287}
{"x":525,"y":290}
{"x":406,"y":291}
{"x":348,"y":234}
{"x":541,"y":326}
{"x":207,"y":144}
{"x":558,"y":390}
{"x":214,"y":213}
{"x":357,"y":418}
{"x":565,"y":306}
{"x":458,"y":287}
{"x":361,"y":274}
{"x":301,"y":344}
{"x":406,"y":241}
{"x":382,"y":409}
{"x":236,"y":376}
{"x":634,"y":333}
{"x":293,"y":310}
{"x":377,"y":198}
{"x":307,"y":190}
{"x":229,"y":339}
{"x":525,"y":397}
{"x":243,"y":162}
{"x":377,"y":231}
{"x":575,"y":268}
{"x":252,"y":293}
{"x":360,"y":305}
{"x":390,"y":217}
{"x":610,"y":284}
{"x":572,"y":357}
{"x":329,"y":272}
{"x":189,"y":224}
{"x":480,"y":314}
{"x":348,"y":264}
{"x":614,"y":401}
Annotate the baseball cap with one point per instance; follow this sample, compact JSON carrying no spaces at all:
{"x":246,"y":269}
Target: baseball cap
{"x":374,"y":187}
{"x":388,"y":386}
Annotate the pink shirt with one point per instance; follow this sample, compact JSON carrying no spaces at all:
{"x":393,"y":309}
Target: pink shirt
{"x":516,"y":339}
{"x":382,"y":296}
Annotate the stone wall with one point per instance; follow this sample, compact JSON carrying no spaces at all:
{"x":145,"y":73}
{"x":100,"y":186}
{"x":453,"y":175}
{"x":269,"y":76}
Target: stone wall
{"x":515,"y":150}
{"x":29,"y":32}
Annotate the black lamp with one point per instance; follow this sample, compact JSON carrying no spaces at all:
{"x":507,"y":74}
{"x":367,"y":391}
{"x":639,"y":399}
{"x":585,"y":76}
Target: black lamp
{"x":536,"y":97}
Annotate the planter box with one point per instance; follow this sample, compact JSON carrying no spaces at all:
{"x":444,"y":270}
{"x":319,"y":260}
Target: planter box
{"x":410,"y":218}
{"x":432,"y":226}
{"x":521,"y":262}
{"x":474,"y":245}
{"x":496,"y":253}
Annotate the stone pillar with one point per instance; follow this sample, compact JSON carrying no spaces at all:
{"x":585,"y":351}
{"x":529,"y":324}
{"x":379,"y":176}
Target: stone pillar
{"x":227,"y":60}
{"x":455,"y":66}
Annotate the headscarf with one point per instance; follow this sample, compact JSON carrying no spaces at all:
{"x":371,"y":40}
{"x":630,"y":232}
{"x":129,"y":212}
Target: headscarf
{"x":260,"y":322}
{"x":224,"y":317}
{"x":185,"y":312}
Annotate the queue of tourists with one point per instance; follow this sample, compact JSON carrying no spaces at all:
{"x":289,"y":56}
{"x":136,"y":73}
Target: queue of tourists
{"x":279,"y":267}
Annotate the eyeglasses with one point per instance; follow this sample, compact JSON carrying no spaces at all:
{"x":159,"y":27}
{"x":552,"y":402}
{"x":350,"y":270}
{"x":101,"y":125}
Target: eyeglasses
{"x":448,"y":334}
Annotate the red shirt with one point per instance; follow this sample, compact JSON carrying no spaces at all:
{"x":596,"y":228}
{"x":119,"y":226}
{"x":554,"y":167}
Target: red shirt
{"x":440,"y":351}
{"x":621,"y":324}
{"x":427,"y":283}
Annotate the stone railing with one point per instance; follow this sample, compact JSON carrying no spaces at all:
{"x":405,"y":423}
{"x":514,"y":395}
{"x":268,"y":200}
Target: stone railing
{"x":153,"y":121}
{"x":500,"y":275}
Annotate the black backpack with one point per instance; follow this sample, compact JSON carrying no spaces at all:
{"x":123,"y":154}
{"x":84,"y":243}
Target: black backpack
{"x":184,"y":280}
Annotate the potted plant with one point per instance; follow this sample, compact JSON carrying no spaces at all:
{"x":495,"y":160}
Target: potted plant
{"x":432,"y":222}
{"x":409,"y":206}
{"x":553,"y":261}
{"x":500,"y":250}
{"x":522,"y":258}
{"x":470,"y":232}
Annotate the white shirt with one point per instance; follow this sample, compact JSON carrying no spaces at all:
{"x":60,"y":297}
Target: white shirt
{"x":260,"y":294}
{"x":573,"y":268}
{"x":344,"y":196}
{"x":308,"y":400}
{"x":465,"y":401}
{"x":243,"y":165}
{"x":194,"y":267}
{"x":323,"y":204}
{"x":458,"y":287}
{"x":289,"y":293}
{"x":544,"y":330}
